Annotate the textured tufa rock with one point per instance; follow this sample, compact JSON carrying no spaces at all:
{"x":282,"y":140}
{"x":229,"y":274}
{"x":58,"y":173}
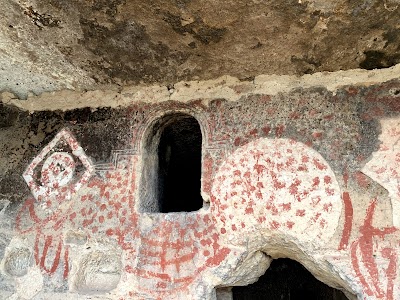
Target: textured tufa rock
{"x":281,"y":177}
{"x":77,"y":238}
{"x":98,"y":272}
{"x":17,"y":262}
{"x":50,"y":45}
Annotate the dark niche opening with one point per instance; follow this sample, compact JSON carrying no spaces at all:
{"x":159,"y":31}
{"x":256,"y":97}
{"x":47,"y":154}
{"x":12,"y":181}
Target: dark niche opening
{"x":171,"y":176}
{"x":287,"y":279}
{"x":179,"y":161}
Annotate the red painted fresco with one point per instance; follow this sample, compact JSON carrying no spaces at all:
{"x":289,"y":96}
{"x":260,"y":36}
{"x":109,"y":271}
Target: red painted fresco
{"x":384,"y":165}
{"x":376,"y":277}
{"x":173,"y":252}
{"x":259,"y":181}
{"x":348,"y":215}
{"x":278,"y":185}
{"x":48,"y":236}
{"x":348,"y":221}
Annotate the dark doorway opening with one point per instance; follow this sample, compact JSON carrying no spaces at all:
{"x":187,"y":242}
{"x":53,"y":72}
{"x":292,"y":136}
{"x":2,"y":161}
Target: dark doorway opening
{"x":287,"y":279}
{"x":179,"y":165}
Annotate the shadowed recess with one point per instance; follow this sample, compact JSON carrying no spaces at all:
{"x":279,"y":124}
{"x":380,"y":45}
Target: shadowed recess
{"x":179,"y":155}
{"x":287,"y":279}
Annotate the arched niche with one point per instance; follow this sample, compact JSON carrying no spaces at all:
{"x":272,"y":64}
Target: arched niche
{"x":287,"y":279}
{"x":171,"y":165}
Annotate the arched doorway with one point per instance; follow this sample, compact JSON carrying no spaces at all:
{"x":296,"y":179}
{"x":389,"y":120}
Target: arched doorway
{"x":287,"y":279}
{"x":171,"y":171}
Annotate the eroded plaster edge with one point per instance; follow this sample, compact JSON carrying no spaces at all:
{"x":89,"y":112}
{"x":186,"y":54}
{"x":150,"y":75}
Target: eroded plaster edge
{"x":226,"y":87}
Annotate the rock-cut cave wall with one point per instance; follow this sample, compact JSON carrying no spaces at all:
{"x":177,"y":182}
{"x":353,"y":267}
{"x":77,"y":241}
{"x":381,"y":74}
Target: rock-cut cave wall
{"x":307,"y":173}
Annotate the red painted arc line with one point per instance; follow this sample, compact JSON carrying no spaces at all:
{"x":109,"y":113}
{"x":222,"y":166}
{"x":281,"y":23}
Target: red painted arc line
{"x":174,"y":261}
{"x":348,"y":221}
{"x":47,"y":244}
{"x":154,"y":243}
{"x":356,"y":267}
{"x":391,"y":271}
{"x":166,"y":277}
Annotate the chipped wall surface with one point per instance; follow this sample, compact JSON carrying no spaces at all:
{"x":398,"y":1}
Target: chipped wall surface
{"x":49,"y":45}
{"x":309,"y":172}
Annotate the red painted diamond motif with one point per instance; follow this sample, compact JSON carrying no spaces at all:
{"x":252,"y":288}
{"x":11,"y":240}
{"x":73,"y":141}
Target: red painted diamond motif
{"x":58,"y":170}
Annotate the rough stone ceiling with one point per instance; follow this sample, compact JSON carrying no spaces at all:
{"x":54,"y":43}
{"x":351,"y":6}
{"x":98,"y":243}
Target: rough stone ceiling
{"x":49,"y":45}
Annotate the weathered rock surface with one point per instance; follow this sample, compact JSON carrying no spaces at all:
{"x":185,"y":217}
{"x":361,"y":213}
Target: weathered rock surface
{"x":17,"y":261}
{"x":282,"y":162}
{"x":50,"y":45}
{"x":297,"y":141}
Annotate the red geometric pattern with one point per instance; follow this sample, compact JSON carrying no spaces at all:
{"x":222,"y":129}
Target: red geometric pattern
{"x":58,"y":168}
{"x":279,"y":186}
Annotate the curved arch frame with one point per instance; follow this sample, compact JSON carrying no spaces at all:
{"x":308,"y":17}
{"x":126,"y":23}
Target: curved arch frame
{"x":150,"y":138}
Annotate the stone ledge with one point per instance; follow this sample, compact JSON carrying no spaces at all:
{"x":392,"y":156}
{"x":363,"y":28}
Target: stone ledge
{"x":225,"y":87}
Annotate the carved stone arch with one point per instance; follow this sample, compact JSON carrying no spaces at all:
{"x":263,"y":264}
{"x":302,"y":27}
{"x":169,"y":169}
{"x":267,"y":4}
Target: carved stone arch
{"x":298,"y":278}
{"x":149,"y":149}
{"x":156,"y":113}
{"x":281,"y":198}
